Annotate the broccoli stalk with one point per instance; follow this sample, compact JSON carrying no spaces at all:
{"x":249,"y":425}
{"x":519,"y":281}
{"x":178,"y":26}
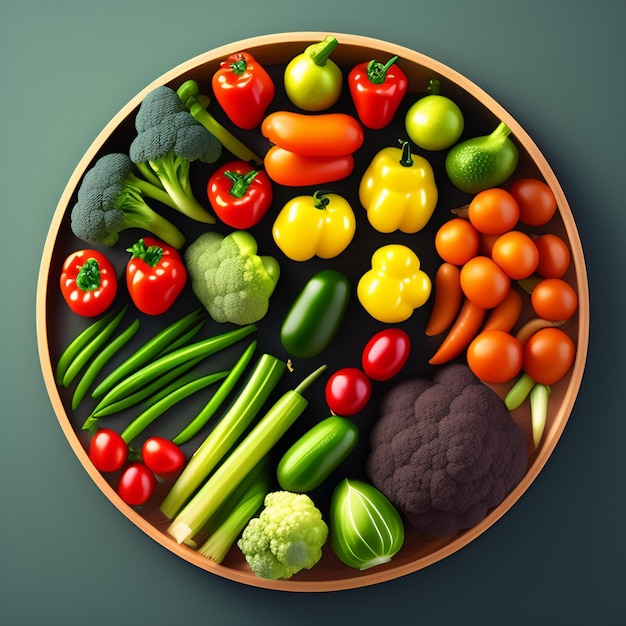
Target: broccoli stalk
{"x":168,"y":140}
{"x":111,"y":198}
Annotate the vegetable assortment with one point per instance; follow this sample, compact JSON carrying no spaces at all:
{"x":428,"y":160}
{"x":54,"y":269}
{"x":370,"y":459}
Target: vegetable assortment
{"x":257,"y":468}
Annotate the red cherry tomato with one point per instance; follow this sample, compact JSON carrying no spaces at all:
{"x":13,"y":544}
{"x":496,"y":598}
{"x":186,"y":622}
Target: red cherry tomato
{"x":535,"y":199}
{"x":136,"y":484}
{"x":347,"y":391}
{"x":162,"y":456}
{"x":554,"y":256}
{"x":386,"y":353}
{"x":548,"y":355}
{"x":107,"y":450}
{"x":88,"y":282}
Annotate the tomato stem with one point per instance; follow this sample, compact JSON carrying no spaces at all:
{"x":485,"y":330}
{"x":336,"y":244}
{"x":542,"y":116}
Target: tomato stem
{"x":433,"y":87}
{"x":88,"y":277}
{"x":241,"y":183}
{"x":150,"y":255}
{"x":239,"y":66}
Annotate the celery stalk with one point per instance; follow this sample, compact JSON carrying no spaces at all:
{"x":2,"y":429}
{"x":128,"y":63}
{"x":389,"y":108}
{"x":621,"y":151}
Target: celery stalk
{"x":263,"y":379}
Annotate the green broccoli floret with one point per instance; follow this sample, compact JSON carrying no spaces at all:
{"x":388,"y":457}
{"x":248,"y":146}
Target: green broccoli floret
{"x":228,"y":277}
{"x":111,"y":199}
{"x":287,"y":536}
{"x":169,"y":139}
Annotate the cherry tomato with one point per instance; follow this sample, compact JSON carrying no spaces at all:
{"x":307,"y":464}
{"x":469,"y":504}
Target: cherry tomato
{"x":457,"y":241}
{"x":483,"y":282}
{"x":548,"y":355}
{"x":554,"y":256}
{"x":535,"y":199}
{"x":434,"y":122}
{"x":136,"y":484}
{"x":162,"y":456}
{"x":493,"y":211}
{"x":495,"y":356}
{"x":88,"y":282}
{"x":107,"y":450}
{"x":516,"y":253}
{"x":386,"y":353}
{"x":347,"y":391}
{"x":554,"y":299}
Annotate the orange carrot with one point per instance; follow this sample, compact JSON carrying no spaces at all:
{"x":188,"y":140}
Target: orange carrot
{"x":505,"y":315}
{"x":464,"y":329}
{"x":448,"y":297}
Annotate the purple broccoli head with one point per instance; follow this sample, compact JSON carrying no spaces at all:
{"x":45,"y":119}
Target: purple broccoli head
{"x":445,"y":451}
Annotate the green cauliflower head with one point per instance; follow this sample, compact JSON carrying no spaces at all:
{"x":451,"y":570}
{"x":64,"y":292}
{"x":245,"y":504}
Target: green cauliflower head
{"x":229,"y":278}
{"x":287,"y":537}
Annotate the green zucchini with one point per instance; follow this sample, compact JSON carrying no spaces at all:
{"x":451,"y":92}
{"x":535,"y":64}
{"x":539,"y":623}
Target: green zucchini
{"x":316,"y":314}
{"x":313,"y":457}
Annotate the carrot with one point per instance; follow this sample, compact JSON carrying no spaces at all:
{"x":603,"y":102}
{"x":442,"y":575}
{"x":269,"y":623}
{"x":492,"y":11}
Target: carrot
{"x":532,"y":326}
{"x":295,"y":170}
{"x":325,"y":134}
{"x":505,"y":315}
{"x":464,"y":329}
{"x":448,"y":298}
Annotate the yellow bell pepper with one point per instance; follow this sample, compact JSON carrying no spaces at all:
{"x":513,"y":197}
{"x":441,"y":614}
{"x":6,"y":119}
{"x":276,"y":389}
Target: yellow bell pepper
{"x":395,"y":286}
{"x":320,"y":225}
{"x":398,"y":190}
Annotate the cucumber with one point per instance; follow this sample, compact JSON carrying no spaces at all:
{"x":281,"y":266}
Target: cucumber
{"x":313,"y":457}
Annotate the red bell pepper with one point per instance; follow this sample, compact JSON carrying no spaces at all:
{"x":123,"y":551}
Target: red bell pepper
{"x":377,"y":91}
{"x":155,"y":275}
{"x":88,"y":282}
{"x":243,"y":89}
{"x":239,"y":194}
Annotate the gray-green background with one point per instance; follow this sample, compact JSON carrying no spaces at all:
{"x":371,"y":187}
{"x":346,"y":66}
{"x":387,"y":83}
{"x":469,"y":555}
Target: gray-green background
{"x":68,"y":557}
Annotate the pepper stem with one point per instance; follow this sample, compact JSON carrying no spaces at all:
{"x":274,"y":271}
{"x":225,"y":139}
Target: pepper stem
{"x":406,"y":160}
{"x":377,"y":72}
{"x":320,"y":201}
{"x":150,"y":255}
{"x":319,"y":52}
{"x":88,"y":277}
{"x":241,"y":183}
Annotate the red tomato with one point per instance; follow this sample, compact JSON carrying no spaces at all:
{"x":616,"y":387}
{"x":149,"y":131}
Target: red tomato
{"x":483,"y":282}
{"x":239,"y":194}
{"x":548,"y":355}
{"x":457,"y":241}
{"x":136,"y":484}
{"x":386,"y":353}
{"x":493,"y":211}
{"x":347,"y":391}
{"x":495,"y":356}
{"x":554,"y":256}
{"x":107,"y":450}
{"x":516,"y":253}
{"x":88,"y":282}
{"x":535,"y":199}
{"x":162,"y":456}
{"x":155,"y":275}
{"x":554,"y":299}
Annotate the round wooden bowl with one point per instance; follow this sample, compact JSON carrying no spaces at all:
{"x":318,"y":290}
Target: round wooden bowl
{"x":56,"y":325}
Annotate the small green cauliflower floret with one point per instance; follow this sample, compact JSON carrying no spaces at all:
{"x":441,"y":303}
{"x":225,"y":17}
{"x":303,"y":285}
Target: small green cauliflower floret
{"x":287,"y":536}
{"x":229,"y":278}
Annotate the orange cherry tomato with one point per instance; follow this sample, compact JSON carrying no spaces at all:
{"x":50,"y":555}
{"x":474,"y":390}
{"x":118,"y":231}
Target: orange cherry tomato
{"x":484,"y":282}
{"x":554,"y":299}
{"x":457,"y":241}
{"x":535,"y":199}
{"x":554,"y":256}
{"x":493,"y":211}
{"x":495,"y":356}
{"x":548,"y":355}
{"x":516,"y":253}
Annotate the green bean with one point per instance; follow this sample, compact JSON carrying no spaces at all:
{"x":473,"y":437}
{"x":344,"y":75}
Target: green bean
{"x":157,"y":368}
{"x":218,"y":397}
{"x":149,"y":350}
{"x":144,"y":419}
{"x":91,"y":348}
{"x":100,"y":361}
{"x":183,"y":339}
{"x":103,"y":409}
{"x":78,"y":343}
